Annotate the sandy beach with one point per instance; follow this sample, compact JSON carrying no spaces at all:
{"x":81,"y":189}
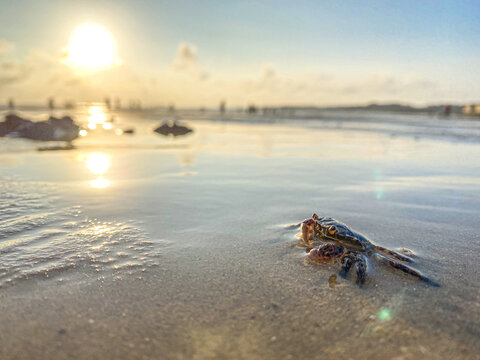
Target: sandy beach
{"x":147,"y":247}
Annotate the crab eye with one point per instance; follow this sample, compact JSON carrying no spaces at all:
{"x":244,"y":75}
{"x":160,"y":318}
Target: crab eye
{"x":332,"y":230}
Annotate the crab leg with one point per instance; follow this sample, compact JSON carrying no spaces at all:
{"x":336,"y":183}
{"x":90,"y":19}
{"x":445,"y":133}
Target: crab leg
{"x":361,"y":269}
{"x":393,"y":254}
{"x":347,"y":263}
{"x":406,"y":269}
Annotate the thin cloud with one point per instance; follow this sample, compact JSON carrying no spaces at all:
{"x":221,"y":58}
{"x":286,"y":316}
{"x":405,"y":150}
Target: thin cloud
{"x":268,"y":73}
{"x":186,"y":61}
{"x":6,"y":47}
{"x":12,"y":72}
{"x":388,"y":85}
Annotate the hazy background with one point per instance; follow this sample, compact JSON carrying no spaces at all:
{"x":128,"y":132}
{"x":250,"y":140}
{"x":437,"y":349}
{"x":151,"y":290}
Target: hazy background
{"x":269,"y":52}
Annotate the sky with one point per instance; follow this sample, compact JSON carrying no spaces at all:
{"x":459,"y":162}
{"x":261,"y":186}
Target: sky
{"x":271,"y":53}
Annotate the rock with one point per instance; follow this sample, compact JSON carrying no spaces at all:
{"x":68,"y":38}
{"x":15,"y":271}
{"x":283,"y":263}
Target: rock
{"x":53,"y":129}
{"x":3,"y":129}
{"x":13,"y":123}
{"x":172,"y":129}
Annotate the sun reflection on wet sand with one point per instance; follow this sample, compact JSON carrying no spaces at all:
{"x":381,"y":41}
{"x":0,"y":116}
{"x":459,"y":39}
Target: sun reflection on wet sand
{"x":98,"y":164}
{"x":100,"y":183}
{"x":97,"y":117}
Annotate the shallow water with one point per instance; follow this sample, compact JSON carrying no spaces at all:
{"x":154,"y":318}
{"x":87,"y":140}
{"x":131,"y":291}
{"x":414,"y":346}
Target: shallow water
{"x":135,"y":246}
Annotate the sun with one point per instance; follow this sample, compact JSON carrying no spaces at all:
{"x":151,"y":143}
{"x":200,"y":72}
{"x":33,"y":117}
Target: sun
{"x":91,"y":46}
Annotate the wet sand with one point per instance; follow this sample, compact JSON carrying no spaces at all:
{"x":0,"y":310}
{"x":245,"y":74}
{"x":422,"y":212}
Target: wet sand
{"x":185,"y":249}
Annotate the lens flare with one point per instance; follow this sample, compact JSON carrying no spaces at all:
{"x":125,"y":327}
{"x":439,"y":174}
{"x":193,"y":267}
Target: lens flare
{"x":384,"y":315}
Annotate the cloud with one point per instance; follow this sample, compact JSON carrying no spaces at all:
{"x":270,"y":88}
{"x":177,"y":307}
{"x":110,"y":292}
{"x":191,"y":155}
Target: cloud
{"x":268,"y":73}
{"x":385,"y":86}
{"x":271,"y":86}
{"x":12,"y":72}
{"x":266,"y":79}
{"x":186,"y":61}
{"x":41,"y":74}
{"x":36,"y":63}
{"x":5,"y":47}
{"x":280,"y":88}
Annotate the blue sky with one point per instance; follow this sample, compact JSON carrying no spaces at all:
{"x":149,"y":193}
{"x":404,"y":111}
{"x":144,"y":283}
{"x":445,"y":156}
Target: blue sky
{"x":431,"y":48}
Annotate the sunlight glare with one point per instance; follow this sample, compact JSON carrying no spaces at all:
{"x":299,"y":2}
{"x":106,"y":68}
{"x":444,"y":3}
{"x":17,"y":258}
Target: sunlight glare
{"x":91,"y":46}
{"x":98,"y":163}
{"x":100,"y":183}
{"x":96,"y":115}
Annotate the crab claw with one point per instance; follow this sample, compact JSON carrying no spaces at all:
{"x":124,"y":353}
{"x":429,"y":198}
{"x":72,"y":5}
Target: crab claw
{"x":316,"y":217}
{"x":326,"y":252}
{"x":308,"y":230}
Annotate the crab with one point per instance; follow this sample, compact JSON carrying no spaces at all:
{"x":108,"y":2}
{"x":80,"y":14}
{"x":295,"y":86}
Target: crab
{"x":349,"y":248}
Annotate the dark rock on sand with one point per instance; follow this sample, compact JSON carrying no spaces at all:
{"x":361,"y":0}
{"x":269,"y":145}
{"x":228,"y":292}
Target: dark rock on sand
{"x":172,"y":129}
{"x":53,"y":129}
{"x":13,"y":123}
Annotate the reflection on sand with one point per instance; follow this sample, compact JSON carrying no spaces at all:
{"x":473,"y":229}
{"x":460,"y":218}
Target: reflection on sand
{"x":97,"y":117}
{"x":98,"y":164}
{"x":100,"y":183}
